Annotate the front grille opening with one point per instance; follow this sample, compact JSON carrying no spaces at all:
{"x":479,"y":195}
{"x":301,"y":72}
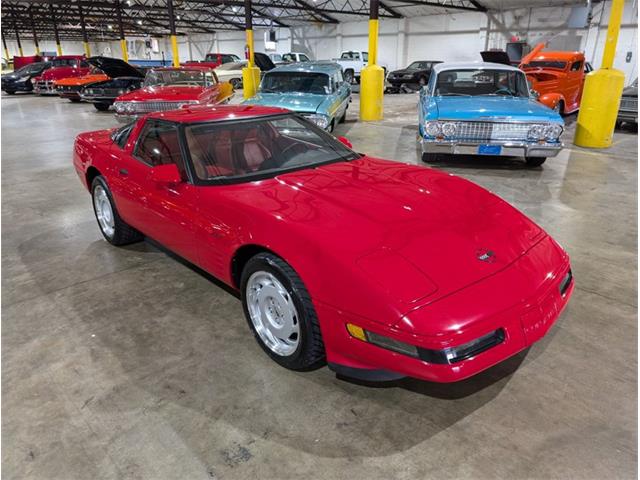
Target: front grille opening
{"x":566,"y":282}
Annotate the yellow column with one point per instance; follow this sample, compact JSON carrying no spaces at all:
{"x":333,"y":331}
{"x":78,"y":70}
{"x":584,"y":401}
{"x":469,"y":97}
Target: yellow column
{"x":123,"y":46}
{"x":87,"y":50}
{"x":251,"y":73}
{"x":372,"y":80}
{"x":38,"y":49}
{"x":174,"y":49}
{"x":6,"y":54}
{"x":602,"y":92}
{"x":59,"y":48}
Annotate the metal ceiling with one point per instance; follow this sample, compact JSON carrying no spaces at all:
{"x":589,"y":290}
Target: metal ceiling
{"x":150,"y":17}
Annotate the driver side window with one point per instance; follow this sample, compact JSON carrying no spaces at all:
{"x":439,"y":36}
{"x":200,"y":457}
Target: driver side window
{"x":159,"y":144}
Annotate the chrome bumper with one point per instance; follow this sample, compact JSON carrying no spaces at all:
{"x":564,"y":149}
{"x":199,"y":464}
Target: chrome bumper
{"x":509,"y":149}
{"x":44,"y":88}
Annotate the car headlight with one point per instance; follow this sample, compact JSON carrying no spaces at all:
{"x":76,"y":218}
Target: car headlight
{"x":320,"y":120}
{"x":553,"y":131}
{"x":119,"y":107}
{"x":536,"y":132}
{"x":23,"y":79}
{"x":433,"y":129}
{"x":449,"y":129}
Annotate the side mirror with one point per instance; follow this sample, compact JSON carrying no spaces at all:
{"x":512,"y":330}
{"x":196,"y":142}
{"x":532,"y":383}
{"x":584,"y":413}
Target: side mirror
{"x":534,"y":94}
{"x":345,"y":142}
{"x":165,"y":174}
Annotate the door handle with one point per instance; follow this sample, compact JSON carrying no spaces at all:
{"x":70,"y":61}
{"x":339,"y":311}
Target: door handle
{"x":124,"y":172}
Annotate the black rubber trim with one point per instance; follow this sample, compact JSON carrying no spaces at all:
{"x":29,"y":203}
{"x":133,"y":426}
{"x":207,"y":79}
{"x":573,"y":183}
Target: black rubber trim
{"x":566,"y":282}
{"x":440,"y":357}
{"x":365,"y":374}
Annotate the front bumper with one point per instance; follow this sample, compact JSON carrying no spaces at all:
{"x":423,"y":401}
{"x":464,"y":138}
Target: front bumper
{"x":524,"y":321}
{"x":509,"y":149}
{"x":69,"y":92}
{"x":96,"y":98}
{"x":44,"y":87}
{"x":17,"y":86}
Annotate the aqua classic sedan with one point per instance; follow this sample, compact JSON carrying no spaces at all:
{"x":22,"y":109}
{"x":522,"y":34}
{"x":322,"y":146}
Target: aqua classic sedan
{"x":485,"y":109}
{"x":315,"y":90}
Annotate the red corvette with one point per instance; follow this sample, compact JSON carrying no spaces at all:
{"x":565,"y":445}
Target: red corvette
{"x":170,"y":88}
{"x":379,"y":268}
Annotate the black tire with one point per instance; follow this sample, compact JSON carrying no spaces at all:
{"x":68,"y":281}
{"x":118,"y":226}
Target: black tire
{"x":535,"y":161}
{"x":430,"y":157}
{"x":560,"y":108}
{"x":422,"y":81}
{"x":101,"y":107}
{"x":343,"y":118}
{"x":348,"y":76}
{"x":10,"y":92}
{"x":309,"y":354}
{"x":332,"y":126}
{"x":236,"y":83}
{"x":75,"y":100}
{"x":123,"y":233}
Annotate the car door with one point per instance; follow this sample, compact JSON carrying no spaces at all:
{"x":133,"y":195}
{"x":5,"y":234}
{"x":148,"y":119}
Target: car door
{"x":170,"y":209}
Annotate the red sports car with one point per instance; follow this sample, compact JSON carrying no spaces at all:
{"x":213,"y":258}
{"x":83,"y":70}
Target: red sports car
{"x":379,"y":268}
{"x":169,"y":88}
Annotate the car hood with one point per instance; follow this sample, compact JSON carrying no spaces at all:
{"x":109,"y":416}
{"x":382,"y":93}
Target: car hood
{"x":297,"y":102}
{"x":84,"y":80}
{"x":630,"y":91}
{"x":407,"y":72}
{"x":170,"y":93}
{"x":56,"y":73}
{"x":507,"y":108}
{"x":416,"y":232}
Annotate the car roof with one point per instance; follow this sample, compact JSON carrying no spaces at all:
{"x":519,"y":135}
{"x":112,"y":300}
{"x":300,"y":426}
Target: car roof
{"x":319,"y":67}
{"x":562,"y":56}
{"x":204,"y":68}
{"x":211,"y":113}
{"x":460,"y":66}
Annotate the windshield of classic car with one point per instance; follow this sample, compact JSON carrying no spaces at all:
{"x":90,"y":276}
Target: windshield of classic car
{"x":546,"y":64}
{"x":302,"y":82}
{"x":246,"y":149}
{"x":476,"y":82}
{"x":178,"y":77}
{"x":420,"y":66}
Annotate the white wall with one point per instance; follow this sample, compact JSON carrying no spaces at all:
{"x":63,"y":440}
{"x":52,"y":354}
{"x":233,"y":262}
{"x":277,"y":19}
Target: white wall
{"x":451,"y":37}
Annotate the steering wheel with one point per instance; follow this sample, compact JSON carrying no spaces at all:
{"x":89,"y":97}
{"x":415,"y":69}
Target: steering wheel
{"x":503,"y":91}
{"x":290,"y":147}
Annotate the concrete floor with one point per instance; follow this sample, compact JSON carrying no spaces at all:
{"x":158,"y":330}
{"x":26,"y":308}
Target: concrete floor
{"x":124,"y":363}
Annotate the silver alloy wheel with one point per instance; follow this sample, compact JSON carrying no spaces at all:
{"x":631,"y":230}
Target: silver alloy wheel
{"x":104,"y":212}
{"x":273,"y":313}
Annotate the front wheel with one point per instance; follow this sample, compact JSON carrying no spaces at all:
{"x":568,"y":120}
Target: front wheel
{"x":74,"y":100}
{"x":10,"y":92}
{"x":101,"y":107}
{"x":280,"y":313}
{"x":113,"y":228}
{"x":535,"y":161}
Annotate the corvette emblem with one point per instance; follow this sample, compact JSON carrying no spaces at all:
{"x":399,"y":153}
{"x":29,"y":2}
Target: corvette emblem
{"x":486,"y":255}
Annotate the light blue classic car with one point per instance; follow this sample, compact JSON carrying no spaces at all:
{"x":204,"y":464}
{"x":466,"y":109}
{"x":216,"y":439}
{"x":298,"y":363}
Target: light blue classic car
{"x":315,"y":90}
{"x":485,"y":109}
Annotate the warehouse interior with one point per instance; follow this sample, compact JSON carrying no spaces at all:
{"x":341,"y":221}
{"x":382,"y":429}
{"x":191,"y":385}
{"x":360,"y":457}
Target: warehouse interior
{"x":136,"y":363}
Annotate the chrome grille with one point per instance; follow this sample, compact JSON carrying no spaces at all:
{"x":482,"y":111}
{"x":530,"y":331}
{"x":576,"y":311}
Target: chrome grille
{"x":145,"y":107}
{"x":488,"y":131}
{"x":629,"y":104}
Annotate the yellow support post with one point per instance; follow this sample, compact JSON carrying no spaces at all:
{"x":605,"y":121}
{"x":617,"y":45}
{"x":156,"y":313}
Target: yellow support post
{"x":59,"y":49}
{"x":602,"y":92}
{"x":174,"y":49}
{"x":87,"y":49}
{"x":372,"y":76}
{"x":6,"y":54}
{"x":251,"y":73}
{"x":123,"y":46}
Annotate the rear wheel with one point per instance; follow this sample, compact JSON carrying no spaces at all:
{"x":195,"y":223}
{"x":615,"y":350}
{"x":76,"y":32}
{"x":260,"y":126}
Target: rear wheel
{"x":113,"y":228}
{"x":102,"y":107}
{"x":236,"y":83}
{"x":348,"y":76}
{"x":280,"y":313}
{"x":10,"y":92}
{"x":74,"y":100}
{"x":535,"y":161}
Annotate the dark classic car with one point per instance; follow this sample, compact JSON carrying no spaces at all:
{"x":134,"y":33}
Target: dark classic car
{"x":124,"y":79}
{"x":20,"y":80}
{"x":413,"y":77}
{"x":628,"y":111}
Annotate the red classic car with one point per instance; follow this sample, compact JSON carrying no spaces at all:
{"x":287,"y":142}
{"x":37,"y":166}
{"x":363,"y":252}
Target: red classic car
{"x":380,"y":268}
{"x":168,"y":88}
{"x":61,"y":67}
{"x":214,"y":60}
{"x":558,"y":77}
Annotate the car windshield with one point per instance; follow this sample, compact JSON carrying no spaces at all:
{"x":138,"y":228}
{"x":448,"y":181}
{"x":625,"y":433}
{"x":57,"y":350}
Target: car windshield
{"x":64,"y":62}
{"x":32,"y":68}
{"x":419,"y":66}
{"x":174,"y":77}
{"x":231,"y":66}
{"x":302,"y":82}
{"x":477,"y":82}
{"x":265,"y":146}
{"x":350,"y":56}
{"x":546,"y":64}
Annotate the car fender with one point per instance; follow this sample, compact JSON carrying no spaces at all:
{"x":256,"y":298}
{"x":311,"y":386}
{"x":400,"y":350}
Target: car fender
{"x":551,"y":100}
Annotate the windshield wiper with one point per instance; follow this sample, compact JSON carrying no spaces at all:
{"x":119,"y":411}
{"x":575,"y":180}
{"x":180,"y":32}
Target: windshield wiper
{"x":455,"y":94}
